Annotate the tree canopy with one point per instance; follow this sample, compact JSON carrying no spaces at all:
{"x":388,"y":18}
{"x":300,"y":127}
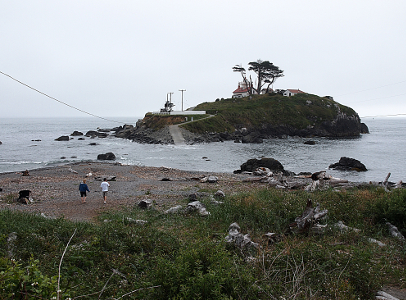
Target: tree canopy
{"x":266,"y":73}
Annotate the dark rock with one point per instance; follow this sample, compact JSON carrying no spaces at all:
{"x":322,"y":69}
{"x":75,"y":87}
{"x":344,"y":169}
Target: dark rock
{"x":81,"y":139}
{"x":93,"y":144}
{"x":1,"y":143}
{"x":364,"y":128}
{"x":92,"y":133}
{"x":252,"y":138}
{"x":309,"y":143}
{"x":144,"y":204}
{"x":106,"y":156}
{"x":348,"y":164}
{"x":104,"y":130}
{"x":26,"y":173}
{"x":63,"y":138}
{"x":63,"y":157}
{"x":24,"y":193}
{"x":252,"y":164}
{"x":24,"y":196}
{"x":31,"y":141}
{"x":193,"y":197}
{"x":76,"y":133}
{"x":166,"y":179}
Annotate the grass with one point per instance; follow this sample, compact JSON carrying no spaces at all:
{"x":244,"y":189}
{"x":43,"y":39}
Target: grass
{"x":299,"y":111}
{"x":185,"y":256}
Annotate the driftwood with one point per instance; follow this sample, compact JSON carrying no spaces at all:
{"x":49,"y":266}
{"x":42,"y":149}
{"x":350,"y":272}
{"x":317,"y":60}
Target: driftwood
{"x":309,"y":218}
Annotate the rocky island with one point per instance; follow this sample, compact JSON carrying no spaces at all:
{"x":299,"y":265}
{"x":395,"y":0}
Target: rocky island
{"x":250,"y":120}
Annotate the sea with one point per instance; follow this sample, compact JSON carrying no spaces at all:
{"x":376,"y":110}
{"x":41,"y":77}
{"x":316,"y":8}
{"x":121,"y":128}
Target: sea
{"x":29,"y":143}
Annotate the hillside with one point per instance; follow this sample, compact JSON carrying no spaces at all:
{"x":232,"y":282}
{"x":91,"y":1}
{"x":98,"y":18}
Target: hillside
{"x":276,"y":115}
{"x":252,"y":120}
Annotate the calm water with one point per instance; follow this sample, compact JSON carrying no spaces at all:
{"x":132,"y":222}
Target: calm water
{"x":381,"y":151}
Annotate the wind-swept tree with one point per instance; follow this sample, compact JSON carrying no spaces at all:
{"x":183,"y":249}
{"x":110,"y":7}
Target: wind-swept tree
{"x":248,"y":84}
{"x":266,"y":72}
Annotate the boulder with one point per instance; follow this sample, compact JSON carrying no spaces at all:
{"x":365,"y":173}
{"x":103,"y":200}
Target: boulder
{"x":348,"y":164}
{"x":24,"y":197}
{"x":252,"y":164}
{"x":252,"y":138}
{"x":219,"y":194}
{"x":364,"y":128}
{"x":93,"y":133}
{"x":144,"y":204}
{"x":63,"y":138}
{"x":76,"y":133}
{"x":106,"y":156}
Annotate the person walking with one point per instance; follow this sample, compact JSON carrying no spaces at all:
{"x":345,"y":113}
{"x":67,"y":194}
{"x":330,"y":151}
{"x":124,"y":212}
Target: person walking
{"x":105,"y":188}
{"x":83,"y":188}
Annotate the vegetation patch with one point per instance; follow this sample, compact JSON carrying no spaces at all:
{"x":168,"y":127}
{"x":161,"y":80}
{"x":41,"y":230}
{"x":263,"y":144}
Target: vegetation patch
{"x":185,"y":256}
{"x":299,"y":111}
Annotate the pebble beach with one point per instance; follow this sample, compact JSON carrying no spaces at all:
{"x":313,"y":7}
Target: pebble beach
{"x":55,"y":190}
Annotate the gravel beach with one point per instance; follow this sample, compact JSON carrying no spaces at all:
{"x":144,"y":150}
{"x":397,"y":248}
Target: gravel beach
{"x":55,"y":190}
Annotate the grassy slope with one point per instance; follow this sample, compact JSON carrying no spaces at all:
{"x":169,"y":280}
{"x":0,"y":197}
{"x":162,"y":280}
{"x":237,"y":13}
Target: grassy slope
{"x":274,"y":109}
{"x":185,"y":257}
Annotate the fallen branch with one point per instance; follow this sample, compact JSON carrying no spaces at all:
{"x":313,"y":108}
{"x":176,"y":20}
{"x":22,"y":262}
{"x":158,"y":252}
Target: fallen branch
{"x":60,"y":264}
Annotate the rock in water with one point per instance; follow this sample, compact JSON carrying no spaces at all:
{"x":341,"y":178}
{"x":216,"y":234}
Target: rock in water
{"x":348,"y":164}
{"x":106,"y":156}
{"x":63,"y":138}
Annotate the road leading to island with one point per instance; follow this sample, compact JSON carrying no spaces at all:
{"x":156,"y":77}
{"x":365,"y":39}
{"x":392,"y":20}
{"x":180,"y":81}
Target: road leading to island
{"x":176,"y":134}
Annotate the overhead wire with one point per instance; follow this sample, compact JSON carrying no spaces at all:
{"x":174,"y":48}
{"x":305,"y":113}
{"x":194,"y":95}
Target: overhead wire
{"x":53,"y":98}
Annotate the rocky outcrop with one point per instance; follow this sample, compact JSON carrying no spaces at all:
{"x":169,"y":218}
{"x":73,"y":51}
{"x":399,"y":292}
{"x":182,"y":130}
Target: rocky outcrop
{"x":93,"y":134}
{"x":252,"y":164}
{"x":348,"y":164}
{"x":106,"y":156}
{"x":346,"y":123}
{"x":63,"y":138}
{"x":76,"y":133}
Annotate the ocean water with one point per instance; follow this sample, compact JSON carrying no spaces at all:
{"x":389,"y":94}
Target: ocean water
{"x":30,"y":144}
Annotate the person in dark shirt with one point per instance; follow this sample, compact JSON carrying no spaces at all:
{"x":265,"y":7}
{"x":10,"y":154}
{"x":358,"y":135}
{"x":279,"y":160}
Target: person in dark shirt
{"x":83,"y":188}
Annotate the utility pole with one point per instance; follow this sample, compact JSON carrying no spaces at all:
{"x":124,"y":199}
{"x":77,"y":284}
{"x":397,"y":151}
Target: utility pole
{"x":182,"y":97}
{"x":170,"y":97}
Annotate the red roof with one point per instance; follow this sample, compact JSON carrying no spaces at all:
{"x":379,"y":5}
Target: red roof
{"x":296,"y":91}
{"x":240,"y":91}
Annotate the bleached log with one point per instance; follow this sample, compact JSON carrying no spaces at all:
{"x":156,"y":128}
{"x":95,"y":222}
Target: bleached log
{"x":343,"y":227}
{"x":385,"y":296}
{"x":309,"y":217}
{"x":395,"y":232}
{"x":255,"y":179}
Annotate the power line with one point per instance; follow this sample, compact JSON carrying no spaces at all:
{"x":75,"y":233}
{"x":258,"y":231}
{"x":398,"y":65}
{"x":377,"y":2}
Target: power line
{"x":64,"y":103}
{"x":378,"y":98}
{"x":395,"y":115}
{"x":372,"y":88}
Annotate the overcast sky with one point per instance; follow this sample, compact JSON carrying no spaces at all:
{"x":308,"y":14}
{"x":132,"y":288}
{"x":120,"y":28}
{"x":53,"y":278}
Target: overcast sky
{"x":121,"y":58}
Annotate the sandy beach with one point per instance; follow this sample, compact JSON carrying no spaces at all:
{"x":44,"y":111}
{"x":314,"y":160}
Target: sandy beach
{"x":55,"y":190}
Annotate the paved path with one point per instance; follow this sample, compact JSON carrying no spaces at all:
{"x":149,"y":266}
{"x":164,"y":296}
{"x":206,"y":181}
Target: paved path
{"x":176,"y":134}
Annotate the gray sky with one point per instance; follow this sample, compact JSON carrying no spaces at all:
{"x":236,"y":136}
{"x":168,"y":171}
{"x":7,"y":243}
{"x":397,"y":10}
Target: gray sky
{"x":121,"y":58}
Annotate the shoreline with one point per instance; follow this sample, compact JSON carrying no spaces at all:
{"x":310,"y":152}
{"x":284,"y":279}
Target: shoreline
{"x":55,"y":193}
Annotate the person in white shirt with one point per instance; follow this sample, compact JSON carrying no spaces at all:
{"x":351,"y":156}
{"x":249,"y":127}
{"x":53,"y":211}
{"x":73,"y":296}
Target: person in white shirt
{"x":105,"y":188}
